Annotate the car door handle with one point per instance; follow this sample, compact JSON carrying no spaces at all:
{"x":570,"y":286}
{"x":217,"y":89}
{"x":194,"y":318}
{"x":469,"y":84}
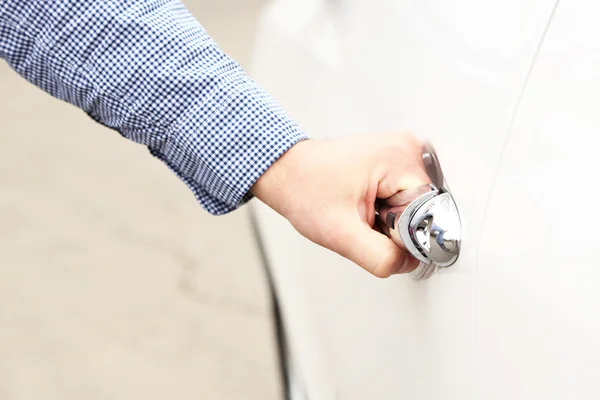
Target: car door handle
{"x":429,"y":227}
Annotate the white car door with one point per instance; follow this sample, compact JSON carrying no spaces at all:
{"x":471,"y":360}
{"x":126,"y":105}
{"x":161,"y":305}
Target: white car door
{"x":452,"y":72}
{"x":536,"y":299}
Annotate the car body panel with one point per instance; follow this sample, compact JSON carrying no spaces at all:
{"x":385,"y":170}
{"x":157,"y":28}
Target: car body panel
{"x":536,"y":297}
{"x":453,"y":74}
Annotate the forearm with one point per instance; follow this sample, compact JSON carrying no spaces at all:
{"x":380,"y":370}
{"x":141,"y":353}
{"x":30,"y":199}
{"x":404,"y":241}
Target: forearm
{"x":148,"y":70}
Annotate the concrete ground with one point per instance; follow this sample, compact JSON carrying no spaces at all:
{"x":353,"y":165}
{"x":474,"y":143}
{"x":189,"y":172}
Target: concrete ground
{"x":114,"y":283}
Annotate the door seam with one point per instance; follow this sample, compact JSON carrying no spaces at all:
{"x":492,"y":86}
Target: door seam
{"x":496,"y":174}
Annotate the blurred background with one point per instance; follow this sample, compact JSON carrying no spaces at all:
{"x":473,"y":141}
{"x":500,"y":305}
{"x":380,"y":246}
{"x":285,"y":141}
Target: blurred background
{"x":114,"y":282}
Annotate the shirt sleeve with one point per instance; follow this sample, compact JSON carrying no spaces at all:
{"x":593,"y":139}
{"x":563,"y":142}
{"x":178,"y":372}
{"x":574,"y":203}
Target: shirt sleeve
{"x":148,"y":70}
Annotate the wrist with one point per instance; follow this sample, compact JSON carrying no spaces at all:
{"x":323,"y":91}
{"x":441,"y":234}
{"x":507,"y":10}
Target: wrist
{"x":275,"y":185}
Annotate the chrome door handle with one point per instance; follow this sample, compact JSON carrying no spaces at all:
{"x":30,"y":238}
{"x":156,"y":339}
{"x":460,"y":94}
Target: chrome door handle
{"x":429,"y":227}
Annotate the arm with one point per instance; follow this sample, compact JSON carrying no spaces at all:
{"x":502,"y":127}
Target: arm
{"x":148,"y":70}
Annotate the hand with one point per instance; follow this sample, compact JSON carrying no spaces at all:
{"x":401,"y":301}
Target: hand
{"x":327,"y":190}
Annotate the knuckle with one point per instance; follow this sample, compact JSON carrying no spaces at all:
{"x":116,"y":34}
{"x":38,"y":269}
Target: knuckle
{"x":407,"y":139}
{"x":381,"y":274}
{"x":404,"y":144}
{"x":386,"y":267}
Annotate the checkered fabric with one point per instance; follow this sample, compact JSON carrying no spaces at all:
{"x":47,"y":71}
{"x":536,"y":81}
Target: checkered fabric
{"x":147,"y":69}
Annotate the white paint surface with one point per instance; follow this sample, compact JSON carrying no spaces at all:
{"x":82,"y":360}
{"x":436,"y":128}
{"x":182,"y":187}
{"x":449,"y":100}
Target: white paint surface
{"x":517,"y":317}
{"x":536,"y":304}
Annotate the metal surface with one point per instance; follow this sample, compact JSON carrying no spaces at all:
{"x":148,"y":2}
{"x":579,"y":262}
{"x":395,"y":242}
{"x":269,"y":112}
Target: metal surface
{"x":429,"y":226}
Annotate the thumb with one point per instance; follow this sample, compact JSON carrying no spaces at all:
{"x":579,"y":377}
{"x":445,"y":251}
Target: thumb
{"x":374,"y":251}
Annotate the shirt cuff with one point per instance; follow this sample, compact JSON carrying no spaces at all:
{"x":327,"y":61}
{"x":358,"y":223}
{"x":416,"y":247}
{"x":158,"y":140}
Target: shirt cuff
{"x":223,"y":146}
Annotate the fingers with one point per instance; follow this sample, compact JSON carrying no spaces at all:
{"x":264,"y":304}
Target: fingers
{"x":374,"y":251}
{"x":398,"y":202}
{"x":410,"y":265}
{"x":404,"y":197}
{"x":404,"y":169}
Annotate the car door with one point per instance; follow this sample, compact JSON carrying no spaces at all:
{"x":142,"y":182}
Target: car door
{"x":536,"y":300}
{"x":452,"y":72}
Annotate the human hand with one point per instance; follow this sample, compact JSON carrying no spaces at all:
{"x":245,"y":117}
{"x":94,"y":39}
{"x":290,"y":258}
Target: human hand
{"x":327,"y":190}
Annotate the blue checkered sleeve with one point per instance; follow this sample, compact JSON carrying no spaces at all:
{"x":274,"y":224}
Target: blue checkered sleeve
{"x":147,"y":69}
